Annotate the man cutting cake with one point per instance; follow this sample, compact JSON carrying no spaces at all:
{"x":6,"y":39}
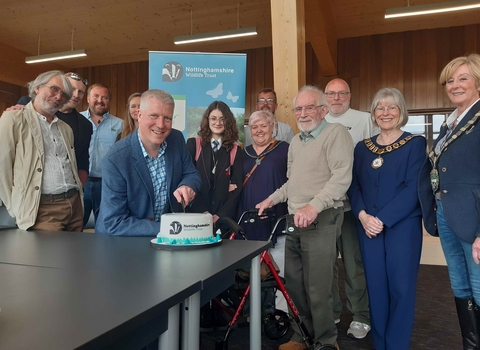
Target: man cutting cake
{"x":148,"y":173}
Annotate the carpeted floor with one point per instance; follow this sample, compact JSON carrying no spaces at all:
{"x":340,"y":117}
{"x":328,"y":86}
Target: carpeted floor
{"x":436,"y":326}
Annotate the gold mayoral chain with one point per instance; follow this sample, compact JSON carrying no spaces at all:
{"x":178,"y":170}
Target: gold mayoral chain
{"x":378,"y":162}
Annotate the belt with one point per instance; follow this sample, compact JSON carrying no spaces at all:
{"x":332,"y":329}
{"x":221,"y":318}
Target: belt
{"x":57,"y":197}
{"x":94,"y":179}
{"x":438,"y":196}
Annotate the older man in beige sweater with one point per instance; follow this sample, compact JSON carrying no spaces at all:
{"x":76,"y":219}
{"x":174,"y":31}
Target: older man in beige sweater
{"x":319,"y":173}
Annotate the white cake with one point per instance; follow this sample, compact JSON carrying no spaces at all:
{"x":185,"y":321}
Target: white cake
{"x":186,"y":228}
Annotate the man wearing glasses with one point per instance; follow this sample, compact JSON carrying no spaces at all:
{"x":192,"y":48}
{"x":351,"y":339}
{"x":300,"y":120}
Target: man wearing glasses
{"x":359,"y":125}
{"x":82,"y":129}
{"x":39,"y":182}
{"x":267,"y":99}
{"x":319,"y":172}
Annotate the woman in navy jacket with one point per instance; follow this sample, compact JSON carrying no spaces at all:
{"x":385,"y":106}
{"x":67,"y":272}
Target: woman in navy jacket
{"x":384,"y":198}
{"x":450,"y":183}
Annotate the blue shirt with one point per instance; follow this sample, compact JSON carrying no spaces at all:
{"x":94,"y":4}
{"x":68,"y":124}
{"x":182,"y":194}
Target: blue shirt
{"x":103,"y":137}
{"x":157,"y":169}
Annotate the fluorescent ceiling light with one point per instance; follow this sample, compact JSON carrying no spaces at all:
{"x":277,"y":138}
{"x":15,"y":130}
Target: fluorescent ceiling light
{"x":432,"y":8}
{"x":224,"y":34}
{"x":56,"y":56}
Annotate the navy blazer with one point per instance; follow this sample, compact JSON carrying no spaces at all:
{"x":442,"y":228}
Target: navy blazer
{"x":459,"y":175}
{"x":127,"y":202}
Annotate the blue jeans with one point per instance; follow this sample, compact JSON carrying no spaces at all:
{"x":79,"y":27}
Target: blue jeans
{"x":464,"y":273}
{"x":92,"y":196}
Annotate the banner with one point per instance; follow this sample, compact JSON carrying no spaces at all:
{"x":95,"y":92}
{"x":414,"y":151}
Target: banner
{"x":195,"y":80}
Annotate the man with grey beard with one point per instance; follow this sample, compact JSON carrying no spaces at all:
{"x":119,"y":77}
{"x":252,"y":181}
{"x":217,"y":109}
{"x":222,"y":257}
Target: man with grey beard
{"x":320,"y":160}
{"x":39,"y":182}
{"x":106,"y":128}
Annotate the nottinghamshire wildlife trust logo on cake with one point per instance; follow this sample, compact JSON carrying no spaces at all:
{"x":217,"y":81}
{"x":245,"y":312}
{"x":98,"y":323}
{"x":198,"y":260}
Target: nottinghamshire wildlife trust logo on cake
{"x":172,"y":71}
{"x":175,"y":228}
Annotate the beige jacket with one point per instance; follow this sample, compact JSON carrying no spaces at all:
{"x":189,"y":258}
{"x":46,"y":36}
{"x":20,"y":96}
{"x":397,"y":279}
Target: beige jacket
{"x":22,"y":160}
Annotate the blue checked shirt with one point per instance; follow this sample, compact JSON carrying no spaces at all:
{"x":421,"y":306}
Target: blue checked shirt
{"x":158,"y":173}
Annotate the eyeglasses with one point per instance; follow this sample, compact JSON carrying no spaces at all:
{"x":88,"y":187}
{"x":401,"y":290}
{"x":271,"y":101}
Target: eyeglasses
{"x":266,"y":100}
{"x":214,"y":120}
{"x":76,"y":77}
{"x":308,"y":109}
{"x":385,"y":109}
{"x":56,"y":90}
{"x":341,"y":94}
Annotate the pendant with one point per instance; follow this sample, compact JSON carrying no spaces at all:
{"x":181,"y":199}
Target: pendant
{"x":258,"y":161}
{"x":377,"y":162}
{"x":434,"y":180}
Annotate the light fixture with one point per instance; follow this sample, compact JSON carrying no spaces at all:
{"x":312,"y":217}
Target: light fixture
{"x":224,"y":34}
{"x":55,"y":56}
{"x":432,"y":8}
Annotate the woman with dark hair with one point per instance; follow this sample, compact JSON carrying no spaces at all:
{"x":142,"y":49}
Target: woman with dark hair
{"x":130,"y":119}
{"x":384,"y":199}
{"x":218,"y":159}
{"x":216,"y":155}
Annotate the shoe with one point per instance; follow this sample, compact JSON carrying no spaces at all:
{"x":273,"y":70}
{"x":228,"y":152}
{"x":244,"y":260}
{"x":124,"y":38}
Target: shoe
{"x":292,"y":345}
{"x":337,"y":321}
{"x":206,"y":319}
{"x":358,"y":330}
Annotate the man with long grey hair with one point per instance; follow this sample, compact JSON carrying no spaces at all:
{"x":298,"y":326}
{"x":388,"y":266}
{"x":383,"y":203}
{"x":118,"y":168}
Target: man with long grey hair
{"x":39,"y":182}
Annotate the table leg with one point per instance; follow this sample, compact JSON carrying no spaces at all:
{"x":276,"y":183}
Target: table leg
{"x":169,"y":339}
{"x":255,"y":305}
{"x":191,"y":323}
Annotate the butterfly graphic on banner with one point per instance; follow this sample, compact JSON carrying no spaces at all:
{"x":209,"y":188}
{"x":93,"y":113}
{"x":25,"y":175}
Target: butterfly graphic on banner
{"x":217,"y":91}
{"x":231,"y":97}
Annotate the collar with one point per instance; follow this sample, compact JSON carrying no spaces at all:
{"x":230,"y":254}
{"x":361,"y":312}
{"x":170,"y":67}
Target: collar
{"x":87,"y":114}
{"x":219,"y":142}
{"x":42,"y":117}
{"x":161,"y":151}
{"x":452,"y":117}
{"x":305,"y":137}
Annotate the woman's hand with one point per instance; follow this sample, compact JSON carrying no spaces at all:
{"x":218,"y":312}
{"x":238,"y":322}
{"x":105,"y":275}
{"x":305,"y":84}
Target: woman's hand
{"x":372,"y":225}
{"x":476,"y":250}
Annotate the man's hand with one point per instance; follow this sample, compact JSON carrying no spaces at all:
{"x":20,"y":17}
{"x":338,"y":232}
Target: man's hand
{"x":15,"y":108}
{"x":476,"y":250}
{"x":184,"y":193}
{"x":262,"y":206}
{"x":305,"y":216}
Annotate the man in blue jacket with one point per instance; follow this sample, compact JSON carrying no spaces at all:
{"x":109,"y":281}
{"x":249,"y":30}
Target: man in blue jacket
{"x":148,"y":173}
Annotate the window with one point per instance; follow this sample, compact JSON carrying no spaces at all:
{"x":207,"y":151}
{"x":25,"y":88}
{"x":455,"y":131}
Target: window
{"x":426,"y":123}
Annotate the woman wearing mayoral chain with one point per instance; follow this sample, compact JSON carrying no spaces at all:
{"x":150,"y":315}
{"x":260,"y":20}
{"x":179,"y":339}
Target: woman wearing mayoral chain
{"x":384,"y":198}
{"x":449,"y":190}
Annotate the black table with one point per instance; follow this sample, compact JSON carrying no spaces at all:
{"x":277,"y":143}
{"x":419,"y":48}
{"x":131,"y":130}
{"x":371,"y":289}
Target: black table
{"x":132,"y":257}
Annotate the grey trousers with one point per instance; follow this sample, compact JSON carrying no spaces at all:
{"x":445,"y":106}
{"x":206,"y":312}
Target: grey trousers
{"x":310,"y":256}
{"x":355,"y":284}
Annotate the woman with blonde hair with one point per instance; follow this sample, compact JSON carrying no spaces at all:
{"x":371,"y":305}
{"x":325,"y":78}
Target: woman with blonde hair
{"x":449,"y":190}
{"x":130,"y":119}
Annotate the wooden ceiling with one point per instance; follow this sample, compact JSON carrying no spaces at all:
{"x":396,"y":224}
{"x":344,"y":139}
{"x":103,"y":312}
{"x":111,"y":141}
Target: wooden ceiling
{"x":118,"y":31}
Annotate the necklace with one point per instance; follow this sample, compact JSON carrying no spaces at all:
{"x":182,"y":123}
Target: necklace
{"x":259,"y":158}
{"x":378,"y":162}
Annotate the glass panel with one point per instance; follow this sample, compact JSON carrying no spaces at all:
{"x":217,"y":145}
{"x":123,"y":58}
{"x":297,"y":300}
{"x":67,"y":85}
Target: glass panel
{"x":416,"y":124}
{"x":438,"y":119}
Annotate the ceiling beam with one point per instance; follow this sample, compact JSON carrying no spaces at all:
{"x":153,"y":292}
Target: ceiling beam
{"x":14,"y":70}
{"x":320,"y":32}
